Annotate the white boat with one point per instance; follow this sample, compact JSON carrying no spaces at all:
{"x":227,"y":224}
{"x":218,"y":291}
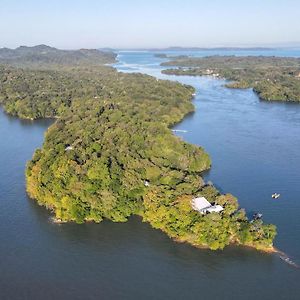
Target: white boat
{"x":275,"y":196}
{"x":179,"y":130}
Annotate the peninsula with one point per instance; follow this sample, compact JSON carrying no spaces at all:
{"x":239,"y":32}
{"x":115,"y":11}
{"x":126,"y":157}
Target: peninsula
{"x":272,"y":78}
{"x":111,"y":152}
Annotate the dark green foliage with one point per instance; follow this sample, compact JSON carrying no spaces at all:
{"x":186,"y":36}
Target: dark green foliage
{"x":272,"y":78}
{"x":49,"y":57}
{"x":112,"y":135}
{"x":119,"y":138}
{"x":180,"y":221}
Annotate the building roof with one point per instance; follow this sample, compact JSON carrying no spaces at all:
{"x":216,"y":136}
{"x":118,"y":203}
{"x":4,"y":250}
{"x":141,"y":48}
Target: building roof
{"x":200,"y":203}
{"x":203,"y":206}
{"x":215,"y":208}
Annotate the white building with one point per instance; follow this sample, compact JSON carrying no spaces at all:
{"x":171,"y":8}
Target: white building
{"x":215,"y":208}
{"x":203,"y":206}
{"x":146,"y":183}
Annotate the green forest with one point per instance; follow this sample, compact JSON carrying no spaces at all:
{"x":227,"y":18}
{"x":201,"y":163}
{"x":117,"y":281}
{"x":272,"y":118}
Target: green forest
{"x":272,"y":78}
{"x":111,"y":153}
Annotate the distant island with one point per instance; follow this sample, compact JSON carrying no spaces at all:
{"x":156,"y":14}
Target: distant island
{"x":173,"y":57}
{"x":272,"y":78}
{"x":176,"y":48}
{"x":161,"y":55}
{"x":111,"y":153}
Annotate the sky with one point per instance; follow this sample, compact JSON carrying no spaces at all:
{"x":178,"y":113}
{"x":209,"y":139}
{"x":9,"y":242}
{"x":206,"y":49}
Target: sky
{"x":72,"y":24}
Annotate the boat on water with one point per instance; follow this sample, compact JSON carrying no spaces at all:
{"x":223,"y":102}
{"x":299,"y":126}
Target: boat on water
{"x":179,"y":130}
{"x":275,"y":196}
{"x":257,"y":216}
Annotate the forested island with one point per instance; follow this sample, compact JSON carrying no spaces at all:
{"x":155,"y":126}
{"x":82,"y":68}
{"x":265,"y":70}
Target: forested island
{"x":272,"y":78}
{"x":111,"y":153}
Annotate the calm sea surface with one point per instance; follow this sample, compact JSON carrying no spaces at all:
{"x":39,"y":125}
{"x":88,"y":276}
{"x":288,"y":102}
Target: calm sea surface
{"x":255,"y":149}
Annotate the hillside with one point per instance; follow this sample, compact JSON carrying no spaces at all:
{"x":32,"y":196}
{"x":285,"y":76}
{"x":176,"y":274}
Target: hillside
{"x":45,"y":56}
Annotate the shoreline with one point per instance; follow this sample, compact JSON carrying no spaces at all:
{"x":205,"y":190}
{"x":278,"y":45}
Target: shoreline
{"x":272,"y":78}
{"x":269,"y":250}
{"x":58,"y":220}
{"x":203,"y":166}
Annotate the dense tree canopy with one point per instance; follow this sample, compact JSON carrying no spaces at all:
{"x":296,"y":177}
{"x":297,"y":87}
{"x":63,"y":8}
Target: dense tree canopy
{"x":43,"y":56}
{"x":272,"y":78}
{"x":111,"y":153}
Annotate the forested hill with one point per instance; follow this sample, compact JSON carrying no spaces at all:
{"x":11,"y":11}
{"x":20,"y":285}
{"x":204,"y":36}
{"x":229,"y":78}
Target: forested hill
{"x":45,"y":56}
{"x":111,"y":153}
{"x":272,"y":78}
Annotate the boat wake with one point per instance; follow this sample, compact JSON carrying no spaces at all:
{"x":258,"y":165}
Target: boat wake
{"x":287,"y":259}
